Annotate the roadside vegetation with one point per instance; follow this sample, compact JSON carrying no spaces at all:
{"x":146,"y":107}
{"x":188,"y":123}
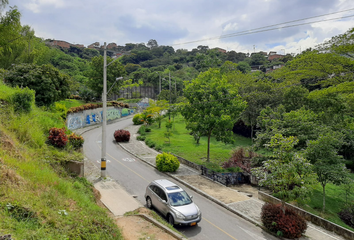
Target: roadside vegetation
{"x":300,"y":114}
{"x":39,"y":198}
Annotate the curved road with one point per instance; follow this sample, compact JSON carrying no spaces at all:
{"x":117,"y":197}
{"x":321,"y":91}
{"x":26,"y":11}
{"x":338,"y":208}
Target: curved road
{"x":134,"y":175}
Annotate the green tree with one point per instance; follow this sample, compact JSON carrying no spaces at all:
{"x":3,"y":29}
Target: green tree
{"x":157,"y":109}
{"x":50,"y":84}
{"x":114,"y":70}
{"x":302,"y":123}
{"x":11,"y":43}
{"x":328,"y":165}
{"x":286,"y":173}
{"x":244,"y":67}
{"x":341,"y":44}
{"x":214,"y":105}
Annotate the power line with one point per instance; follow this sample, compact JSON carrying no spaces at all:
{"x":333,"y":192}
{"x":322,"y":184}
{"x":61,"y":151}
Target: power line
{"x":267,"y":28}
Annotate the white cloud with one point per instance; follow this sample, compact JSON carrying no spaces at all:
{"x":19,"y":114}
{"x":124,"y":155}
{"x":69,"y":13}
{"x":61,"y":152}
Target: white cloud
{"x":36,"y":6}
{"x":181,"y":21}
{"x":230,"y":27}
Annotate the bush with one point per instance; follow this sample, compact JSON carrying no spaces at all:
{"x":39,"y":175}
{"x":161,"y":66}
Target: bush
{"x":141,"y":138}
{"x":158,"y":147}
{"x":121,"y":135}
{"x":150,"y":143}
{"x":60,"y":108}
{"x":288,"y":225}
{"x":166,"y":162}
{"x":147,"y":129}
{"x":76,"y":141}
{"x":138,"y":119}
{"x":23,"y":99}
{"x":240,"y":158}
{"x":57,"y":137}
{"x":347,"y":215}
{"x":142,"y":131}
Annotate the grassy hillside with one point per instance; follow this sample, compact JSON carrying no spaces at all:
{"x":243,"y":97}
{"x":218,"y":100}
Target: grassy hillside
{"x":39,"y":199}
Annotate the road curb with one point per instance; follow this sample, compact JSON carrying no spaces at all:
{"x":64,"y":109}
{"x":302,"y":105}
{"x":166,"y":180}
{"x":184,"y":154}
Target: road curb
{"x":200,"y":192}
{"x":166,"y":229}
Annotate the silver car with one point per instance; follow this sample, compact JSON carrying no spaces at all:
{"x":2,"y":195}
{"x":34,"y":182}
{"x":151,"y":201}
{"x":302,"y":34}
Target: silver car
{"x":173,"y":202}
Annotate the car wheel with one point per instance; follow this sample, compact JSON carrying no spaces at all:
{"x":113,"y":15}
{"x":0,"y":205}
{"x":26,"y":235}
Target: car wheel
{"x":170,"y":219}
{"x":148,"y":202}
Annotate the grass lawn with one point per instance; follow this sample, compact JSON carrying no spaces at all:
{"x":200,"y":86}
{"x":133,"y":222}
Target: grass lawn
{"x":335,"y":201}
{"x":184,"y":145}
{"x":71,"y":103}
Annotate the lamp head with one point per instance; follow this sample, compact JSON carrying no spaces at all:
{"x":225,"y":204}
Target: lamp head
{"x":119,"y":78}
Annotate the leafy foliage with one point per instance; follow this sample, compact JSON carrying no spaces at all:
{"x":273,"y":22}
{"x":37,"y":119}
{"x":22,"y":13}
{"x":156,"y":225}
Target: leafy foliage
{"x":23,"y":100}
{"x":286,"y":173}
{"x":50,"y":85}
{"x":76,"y":141}
{"x":121,"y":135}
{"x":95,"y":82}
{"x":286,"y":223}
{"x":240,"y":158}
{"x":328,"y":165}
{"x":214,"y":105}
{"x":138,"y":119}
{"x":166,"y":162}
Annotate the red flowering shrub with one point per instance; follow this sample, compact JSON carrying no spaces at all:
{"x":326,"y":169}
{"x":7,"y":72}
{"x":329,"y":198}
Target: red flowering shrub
{"x":288,"y":225}
{"x":121,"y":135}
{"x":57,"y":137}
{"x":240,"y":158}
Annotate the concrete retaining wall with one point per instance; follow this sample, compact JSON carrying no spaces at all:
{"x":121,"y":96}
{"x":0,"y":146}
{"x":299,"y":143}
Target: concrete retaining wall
{"x":94,"y":116}
{"x":310,"y":217}
{"x":75,"y":167}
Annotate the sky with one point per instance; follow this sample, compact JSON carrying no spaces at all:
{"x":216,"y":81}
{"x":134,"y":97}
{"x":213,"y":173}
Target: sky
{"x":186,"y":24}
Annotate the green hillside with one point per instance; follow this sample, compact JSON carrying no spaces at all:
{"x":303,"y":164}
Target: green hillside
{"x":39,"y":199}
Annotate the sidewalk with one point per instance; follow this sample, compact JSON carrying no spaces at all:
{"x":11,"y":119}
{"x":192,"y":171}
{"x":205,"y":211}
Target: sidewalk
{"x":245,"y":206}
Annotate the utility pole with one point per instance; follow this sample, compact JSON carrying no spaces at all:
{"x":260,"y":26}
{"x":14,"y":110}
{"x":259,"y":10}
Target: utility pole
{"x":104,"y":113}
{"x":169,"y":115}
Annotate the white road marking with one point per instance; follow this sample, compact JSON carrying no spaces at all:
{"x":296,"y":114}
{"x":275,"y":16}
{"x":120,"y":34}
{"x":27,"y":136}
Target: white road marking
{"x":128,"y":159}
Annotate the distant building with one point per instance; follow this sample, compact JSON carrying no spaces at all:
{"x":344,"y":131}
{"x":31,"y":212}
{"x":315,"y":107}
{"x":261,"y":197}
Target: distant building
{"x":94,"y":45}
{"x":62,"y":44}
{"x":220,"y":50}
{"x":111,"y":45}
{"x":273,"y":55}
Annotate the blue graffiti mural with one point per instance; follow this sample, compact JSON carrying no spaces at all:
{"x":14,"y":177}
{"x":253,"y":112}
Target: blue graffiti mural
{"x":143,"y":104}
{"x":79,"y":120}
{"x":74,"y":122}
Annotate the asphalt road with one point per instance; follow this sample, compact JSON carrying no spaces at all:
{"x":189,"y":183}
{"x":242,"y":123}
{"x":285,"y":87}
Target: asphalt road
{"x":134,"y":175}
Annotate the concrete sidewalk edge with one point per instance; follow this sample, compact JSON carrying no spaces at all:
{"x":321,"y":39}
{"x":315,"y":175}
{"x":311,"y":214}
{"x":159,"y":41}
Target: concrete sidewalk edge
{"x":206,"y":195}
{"x":160,"y":225}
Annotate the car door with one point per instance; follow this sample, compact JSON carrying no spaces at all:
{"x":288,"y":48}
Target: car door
{"x":161,"y":203}
{"x":154,"y":196}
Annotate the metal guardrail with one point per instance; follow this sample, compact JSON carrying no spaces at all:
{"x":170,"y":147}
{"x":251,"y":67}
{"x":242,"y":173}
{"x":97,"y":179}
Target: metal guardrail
{"x":226,"y":178}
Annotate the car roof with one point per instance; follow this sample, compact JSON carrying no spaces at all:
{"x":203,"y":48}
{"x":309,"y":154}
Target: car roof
{"x":168,"y":185}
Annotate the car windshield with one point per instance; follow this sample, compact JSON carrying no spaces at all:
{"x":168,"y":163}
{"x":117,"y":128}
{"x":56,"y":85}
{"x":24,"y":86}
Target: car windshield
{"x":179,"y":198}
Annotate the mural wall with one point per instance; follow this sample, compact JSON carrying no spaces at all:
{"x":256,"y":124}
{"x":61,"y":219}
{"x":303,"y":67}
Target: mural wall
{"x":94,"y":116}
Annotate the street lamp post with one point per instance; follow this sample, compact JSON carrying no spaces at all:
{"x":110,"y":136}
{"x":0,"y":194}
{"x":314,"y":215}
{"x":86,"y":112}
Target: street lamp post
{"x":104,"y":112}
{"x":159,"y":82}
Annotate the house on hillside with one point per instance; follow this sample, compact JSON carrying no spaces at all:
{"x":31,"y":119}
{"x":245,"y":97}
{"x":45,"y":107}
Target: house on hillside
{"x":62,"y":44}
{"x":220,"y":50}
{"x":95,"y":45}
{"x":273,"y":56}
{"x":111,"y":45}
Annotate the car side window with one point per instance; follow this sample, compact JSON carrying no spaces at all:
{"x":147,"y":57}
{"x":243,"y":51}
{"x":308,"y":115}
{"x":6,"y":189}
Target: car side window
{"x":161,"y":193}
